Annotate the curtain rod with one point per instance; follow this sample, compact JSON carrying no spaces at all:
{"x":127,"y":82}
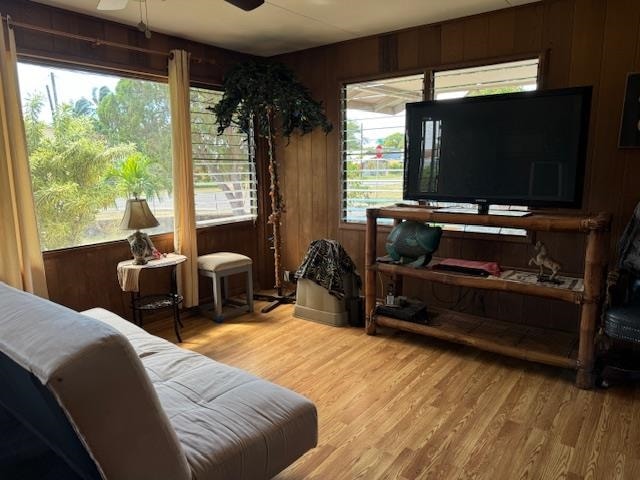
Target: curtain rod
{"x":95,"y":41}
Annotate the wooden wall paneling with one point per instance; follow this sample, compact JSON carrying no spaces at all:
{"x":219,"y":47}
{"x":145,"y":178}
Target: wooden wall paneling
{"x":357,"y":58}
{"x":353,"y":241}
{"x":31,"y":12}
{"x":564,"y":316}
{"x":515,"y":253}
{"x":90,"y":27}
{"x":475,"y":37}
{"x":534,"y":312}
{"x":117,"y":34}
{"x":264,"y":255}
{"x":509,"y":306}
{"x":332,"y":91}
{"x":430,"y":45}
{"x":619,"y":50}
{"x":162,"y":43}
{"x":305,"y":183}
{"x":558,"y":23}
{"x":502,"y":33}
{"x":314,"y":169}
{"x":586,"y":42}
{"x":452,"y":42}
{"x":631,"y":177}
{"x":45,"y":46}
{"x":388,"y":52}
{"x":289,"y":171}
{"x":528,"y":29}
{"x":58,"y":20}
{"x":318,"y":173}
{"x":586,"y":62}
{"x":408,"y":48}
{"x":85,"y":277}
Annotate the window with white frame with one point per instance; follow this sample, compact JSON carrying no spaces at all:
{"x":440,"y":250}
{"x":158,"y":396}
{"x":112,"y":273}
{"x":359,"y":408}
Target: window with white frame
{"x":94,"y":140}
{"x":224,"y":174}
{"x":373,"y":127}
{"x":506,"y":77}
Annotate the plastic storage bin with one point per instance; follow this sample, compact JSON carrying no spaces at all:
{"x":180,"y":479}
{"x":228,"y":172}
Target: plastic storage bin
{"x":315,"y":303}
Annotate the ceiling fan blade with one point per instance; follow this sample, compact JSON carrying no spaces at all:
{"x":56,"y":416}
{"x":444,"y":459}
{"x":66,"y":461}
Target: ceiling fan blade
{"x":112,"y":4}
{"x":246,"y":5}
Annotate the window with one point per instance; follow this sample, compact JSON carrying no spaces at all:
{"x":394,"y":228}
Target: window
{"x":373,"y":142}
{"x":492,"y":79}
{"x":93,"y":141}
{"x":373,"y":124}
{"x":224,"y":173}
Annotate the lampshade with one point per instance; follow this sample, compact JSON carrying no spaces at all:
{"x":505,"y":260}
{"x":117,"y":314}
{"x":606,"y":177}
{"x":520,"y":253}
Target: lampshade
{"x":137,"y":215}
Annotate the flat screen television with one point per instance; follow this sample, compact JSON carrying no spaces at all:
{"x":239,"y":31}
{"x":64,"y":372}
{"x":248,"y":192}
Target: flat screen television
{"x":525,"y":148}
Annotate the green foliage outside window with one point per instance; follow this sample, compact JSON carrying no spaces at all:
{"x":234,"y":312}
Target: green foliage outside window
{"x":91,"y":153}
{"x":68,"y":162}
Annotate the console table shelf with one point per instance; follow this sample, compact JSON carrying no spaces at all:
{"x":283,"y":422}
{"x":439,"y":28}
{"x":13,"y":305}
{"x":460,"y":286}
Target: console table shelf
{"x":576,"y":351}
{"x":519,"y":341}
{"x":484,"y":283}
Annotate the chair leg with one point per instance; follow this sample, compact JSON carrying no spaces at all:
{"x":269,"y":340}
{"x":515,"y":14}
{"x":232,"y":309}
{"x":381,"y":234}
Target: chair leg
{"x":217,"y":298}
{"x":225,"y":285}
{"x":250,"y":290}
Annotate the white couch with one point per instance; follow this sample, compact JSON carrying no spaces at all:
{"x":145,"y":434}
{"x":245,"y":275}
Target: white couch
{"x":140,"y":406}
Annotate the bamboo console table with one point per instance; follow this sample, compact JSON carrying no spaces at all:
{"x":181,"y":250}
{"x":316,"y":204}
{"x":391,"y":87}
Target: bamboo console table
{"x":480,"y":331}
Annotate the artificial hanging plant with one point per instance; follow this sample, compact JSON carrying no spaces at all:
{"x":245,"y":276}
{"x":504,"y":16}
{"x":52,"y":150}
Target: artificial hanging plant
{"x":265,"y":97}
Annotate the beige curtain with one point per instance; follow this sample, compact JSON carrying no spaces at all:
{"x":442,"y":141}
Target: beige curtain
{"x":21,"y":264}
{"x":184,"y":238}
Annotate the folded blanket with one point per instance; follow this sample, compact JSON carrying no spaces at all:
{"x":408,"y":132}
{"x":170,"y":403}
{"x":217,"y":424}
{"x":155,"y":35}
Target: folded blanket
{"x":326,"y":263}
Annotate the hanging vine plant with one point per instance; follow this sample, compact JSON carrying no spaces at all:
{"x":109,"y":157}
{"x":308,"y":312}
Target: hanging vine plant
{"x":264,"y":97}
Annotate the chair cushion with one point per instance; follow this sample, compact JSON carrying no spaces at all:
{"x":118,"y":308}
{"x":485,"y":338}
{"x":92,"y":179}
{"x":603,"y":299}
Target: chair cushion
{"x":220,"y":261}
{"x":623,"y":323}
{"x":230,"y":423}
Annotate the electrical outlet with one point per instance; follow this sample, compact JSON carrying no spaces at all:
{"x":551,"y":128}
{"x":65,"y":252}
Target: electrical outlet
{"x":287,"y":275}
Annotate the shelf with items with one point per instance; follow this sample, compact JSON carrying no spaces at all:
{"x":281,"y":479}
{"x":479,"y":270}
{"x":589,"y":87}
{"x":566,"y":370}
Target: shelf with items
{"x":484,"y":283}
{"x":587,"y":293}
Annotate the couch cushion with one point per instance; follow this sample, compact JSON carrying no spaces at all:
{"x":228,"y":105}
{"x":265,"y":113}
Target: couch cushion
{"x":232,"y":425}
{"x":98,"y":380}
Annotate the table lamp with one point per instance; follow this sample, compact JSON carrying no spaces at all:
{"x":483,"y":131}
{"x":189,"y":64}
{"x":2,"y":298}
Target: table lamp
{"x":138,"y":215}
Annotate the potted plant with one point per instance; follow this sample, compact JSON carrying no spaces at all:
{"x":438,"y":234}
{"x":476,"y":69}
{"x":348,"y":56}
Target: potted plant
{"x":265,"y":98}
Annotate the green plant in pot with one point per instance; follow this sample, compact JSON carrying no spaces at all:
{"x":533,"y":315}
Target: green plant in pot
{"x":265,"y":98}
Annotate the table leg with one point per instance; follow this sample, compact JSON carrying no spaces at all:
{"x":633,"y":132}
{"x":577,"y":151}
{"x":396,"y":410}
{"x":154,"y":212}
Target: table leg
{"x":177,"y":323}
{"x":137,"y":314}
{"x":176,"y":319}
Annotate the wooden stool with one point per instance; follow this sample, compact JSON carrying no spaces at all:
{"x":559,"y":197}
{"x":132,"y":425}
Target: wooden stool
{"x":220,"y":265}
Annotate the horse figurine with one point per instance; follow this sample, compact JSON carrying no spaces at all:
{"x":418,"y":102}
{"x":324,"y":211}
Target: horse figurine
{"x":542,"y":260}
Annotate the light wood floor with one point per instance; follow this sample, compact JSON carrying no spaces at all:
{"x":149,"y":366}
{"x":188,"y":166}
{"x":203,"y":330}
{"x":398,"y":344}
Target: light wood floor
{"x":403,"y":406}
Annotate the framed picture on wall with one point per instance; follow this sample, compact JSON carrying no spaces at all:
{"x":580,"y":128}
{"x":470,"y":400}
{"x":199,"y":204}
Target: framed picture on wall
{"x":630,"y":124}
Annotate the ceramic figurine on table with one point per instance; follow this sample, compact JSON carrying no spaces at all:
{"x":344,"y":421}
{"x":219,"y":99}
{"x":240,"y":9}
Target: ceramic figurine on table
{"x":543,"y":260}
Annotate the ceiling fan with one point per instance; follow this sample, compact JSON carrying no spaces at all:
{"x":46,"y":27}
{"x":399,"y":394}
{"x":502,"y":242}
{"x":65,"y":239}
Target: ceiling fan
{"x":246,"y":5}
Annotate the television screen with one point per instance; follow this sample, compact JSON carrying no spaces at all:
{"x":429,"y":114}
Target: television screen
{"x":519,"y":148}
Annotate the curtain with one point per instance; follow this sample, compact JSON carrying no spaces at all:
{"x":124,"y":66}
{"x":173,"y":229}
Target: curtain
{"x":21,"y":263}
{"x":184,"y":238}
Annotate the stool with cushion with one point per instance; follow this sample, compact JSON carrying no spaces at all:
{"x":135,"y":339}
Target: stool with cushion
{"x":218,"y":266}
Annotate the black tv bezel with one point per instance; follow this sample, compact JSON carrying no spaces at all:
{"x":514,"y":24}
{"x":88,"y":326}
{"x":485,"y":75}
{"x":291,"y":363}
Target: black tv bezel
{"x":585,"y":92}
